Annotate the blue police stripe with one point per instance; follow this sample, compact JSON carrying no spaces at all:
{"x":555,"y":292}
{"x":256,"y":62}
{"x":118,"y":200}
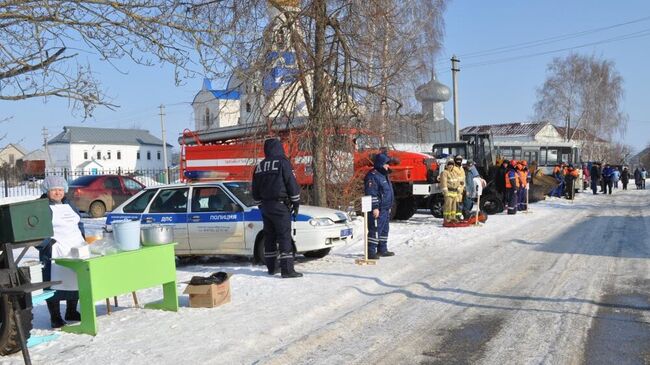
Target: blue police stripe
{"x":254,"y":215}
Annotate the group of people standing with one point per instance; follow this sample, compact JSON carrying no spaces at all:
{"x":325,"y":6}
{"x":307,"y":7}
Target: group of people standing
{"x":512,"y":181}
{"x":565,"y":176}
{"x":459,"y":182}
{"x":607,"y":177}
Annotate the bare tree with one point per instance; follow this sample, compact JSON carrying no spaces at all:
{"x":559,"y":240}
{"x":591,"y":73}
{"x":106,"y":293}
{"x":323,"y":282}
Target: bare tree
{"x":583,"y":93}
{"x":40,"y":43}
{"x":353,"y":58}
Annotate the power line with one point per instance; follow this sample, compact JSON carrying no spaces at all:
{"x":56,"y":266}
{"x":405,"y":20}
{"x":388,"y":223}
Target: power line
{"x":544,"y":41}
{"x":638,"y":34}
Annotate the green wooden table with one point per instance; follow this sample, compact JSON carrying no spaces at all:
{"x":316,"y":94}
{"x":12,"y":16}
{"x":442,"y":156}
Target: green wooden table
{"x":122,"y":273}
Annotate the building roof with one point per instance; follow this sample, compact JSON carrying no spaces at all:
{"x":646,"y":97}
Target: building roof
{"x":18,"y":148}
{"x":580,"y":134}
{"x":88,"y":135}
{"x":508,"y":129}
{"x":226,"y":94}
{"x":34,"y":155}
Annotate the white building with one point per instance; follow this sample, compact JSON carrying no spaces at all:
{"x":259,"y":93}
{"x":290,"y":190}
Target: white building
{"x":95,"y":149}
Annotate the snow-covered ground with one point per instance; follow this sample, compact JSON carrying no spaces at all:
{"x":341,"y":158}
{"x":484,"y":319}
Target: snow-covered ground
{"x":567,"y":283}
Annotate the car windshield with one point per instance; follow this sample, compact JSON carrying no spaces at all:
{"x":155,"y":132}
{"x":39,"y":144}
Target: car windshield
{"x":84,"y":180}
{"x":242,"y":190}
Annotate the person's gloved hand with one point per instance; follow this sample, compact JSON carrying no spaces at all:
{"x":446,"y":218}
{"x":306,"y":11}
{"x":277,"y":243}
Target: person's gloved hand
{"x":294,"y":209}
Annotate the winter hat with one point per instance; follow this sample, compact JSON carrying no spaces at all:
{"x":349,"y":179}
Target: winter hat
{"x":381,"y":160}
{"x":53,"y":182}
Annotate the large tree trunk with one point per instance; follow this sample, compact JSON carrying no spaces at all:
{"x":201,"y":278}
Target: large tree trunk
{"x":319,"y":118}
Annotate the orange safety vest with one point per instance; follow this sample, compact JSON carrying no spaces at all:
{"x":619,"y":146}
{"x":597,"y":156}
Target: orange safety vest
{"x":508,"y":185}
{"x":523,"y":176}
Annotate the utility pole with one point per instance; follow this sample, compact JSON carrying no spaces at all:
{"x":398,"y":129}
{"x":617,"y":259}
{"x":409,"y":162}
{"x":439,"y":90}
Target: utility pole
{"x":164,"y":141}
{"x":454,"y":69}
{"x":44,"y":133}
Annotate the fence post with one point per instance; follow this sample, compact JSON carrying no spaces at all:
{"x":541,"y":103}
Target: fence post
{"x":65,"y":173}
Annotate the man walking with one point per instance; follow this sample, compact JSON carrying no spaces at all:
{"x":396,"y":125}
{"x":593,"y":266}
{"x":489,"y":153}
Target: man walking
{"x":277,"y":193}
{"x":379,"y":187}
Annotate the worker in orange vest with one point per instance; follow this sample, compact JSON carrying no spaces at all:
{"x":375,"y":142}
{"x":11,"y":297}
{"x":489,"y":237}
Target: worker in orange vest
{"x":512,"y":186}
{"x":569,"y":178}
{"x":522,"y":174}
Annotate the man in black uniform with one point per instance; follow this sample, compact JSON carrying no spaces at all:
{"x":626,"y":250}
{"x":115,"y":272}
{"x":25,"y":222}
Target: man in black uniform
{"x":277,"y":193}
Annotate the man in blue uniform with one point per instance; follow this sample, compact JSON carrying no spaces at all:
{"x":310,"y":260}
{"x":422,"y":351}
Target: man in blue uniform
{"x":277,"y":194}
{"x":380,"y":188}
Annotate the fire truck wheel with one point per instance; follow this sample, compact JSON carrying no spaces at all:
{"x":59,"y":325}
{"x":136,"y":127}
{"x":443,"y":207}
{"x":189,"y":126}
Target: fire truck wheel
{"x":97,"y":209}
{"x":317,"y":254}
{"x":405,"y":208}
{"x":9,"y":341}
{"x":435,"y":205}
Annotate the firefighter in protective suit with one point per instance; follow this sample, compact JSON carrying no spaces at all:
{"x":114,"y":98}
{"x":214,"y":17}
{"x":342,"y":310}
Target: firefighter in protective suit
{"x":450,"y":184}
{"x":378,"y":186}
{"x":277,"y":193}
{"x":460,"y":172}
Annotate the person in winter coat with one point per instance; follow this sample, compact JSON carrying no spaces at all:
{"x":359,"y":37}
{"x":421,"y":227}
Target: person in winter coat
{"x":594,"y":172}
{"x":644,"y":175}
{"x":608,"y":171}
{"x":499,"y":181}
{"x":470,"y":190}
{"x":378,"y":186}
{"x":625,"y":177}
{"x":450,"y":186}
{"x":68,"y":234}
{"x":637,"y":178}
{"x":558,"y":174}
{"x":616,"y":176}
{"x":512,"y":186}
{"x":277,"y":194}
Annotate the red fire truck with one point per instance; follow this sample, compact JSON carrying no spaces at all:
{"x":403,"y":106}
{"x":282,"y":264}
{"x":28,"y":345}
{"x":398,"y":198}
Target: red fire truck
{"x":236,"y":150}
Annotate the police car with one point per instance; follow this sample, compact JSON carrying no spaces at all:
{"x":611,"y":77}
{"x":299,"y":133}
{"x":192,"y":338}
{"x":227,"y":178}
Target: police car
{"x":219,"y":217}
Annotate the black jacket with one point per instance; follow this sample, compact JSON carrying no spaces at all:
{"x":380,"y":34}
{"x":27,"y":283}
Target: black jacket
{"x":273,"y":178}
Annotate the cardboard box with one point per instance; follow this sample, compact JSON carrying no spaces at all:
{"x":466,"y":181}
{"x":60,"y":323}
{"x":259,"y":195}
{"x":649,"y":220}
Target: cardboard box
{"x":208,"y":296}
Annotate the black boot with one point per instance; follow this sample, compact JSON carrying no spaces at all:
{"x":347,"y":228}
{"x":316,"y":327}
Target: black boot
{"x":286,"y":266}
{"x":71,"y":313}
{"x":55,"y":314}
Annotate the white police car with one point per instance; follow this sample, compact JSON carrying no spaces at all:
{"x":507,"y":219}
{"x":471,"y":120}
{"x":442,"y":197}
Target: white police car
{"x":219,"y":217}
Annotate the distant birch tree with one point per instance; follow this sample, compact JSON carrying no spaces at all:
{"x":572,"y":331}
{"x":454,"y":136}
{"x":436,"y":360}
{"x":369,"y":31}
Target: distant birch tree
{"x":583,"y":92}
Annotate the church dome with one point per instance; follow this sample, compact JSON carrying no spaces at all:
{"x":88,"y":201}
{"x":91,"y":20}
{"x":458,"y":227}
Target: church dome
{"x":433,"y":91}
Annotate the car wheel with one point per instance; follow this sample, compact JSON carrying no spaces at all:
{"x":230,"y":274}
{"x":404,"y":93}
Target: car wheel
{"x":97,"y":209}
{"x":491,"y":204}
{"x":258,"y":251}
{"x":436,"y":204}
{"x":318,"y":254}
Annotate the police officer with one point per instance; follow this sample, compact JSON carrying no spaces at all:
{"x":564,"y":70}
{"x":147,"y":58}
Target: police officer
{"x":377,"y":185}
{"x":277,"y":193}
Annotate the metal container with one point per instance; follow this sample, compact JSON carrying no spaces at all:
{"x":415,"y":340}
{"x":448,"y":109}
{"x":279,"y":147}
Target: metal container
{"x":156,"y":234}
{"x":25,"y":221}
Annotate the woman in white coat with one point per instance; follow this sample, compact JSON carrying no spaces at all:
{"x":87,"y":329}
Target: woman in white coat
{"x":68,"y":233}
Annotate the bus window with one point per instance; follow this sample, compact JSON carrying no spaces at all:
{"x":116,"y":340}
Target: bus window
{"x":542,"y":156}
{"x":516,"y":153}
{"x":551,"y":157}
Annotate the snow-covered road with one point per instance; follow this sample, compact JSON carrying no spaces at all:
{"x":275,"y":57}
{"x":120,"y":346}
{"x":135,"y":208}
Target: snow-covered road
{"x":568,"y":283}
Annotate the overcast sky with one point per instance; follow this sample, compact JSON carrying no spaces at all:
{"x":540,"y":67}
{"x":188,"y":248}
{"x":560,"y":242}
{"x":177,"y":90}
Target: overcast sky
{"x":497,"y":87}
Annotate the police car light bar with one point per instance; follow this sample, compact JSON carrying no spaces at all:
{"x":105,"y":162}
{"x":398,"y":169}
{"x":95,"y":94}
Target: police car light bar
{"x":203,"y":175}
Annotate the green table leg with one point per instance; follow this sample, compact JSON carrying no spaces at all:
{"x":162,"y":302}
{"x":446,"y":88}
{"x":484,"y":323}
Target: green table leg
{"x":88,"y":324}
{"x":170,"y":298}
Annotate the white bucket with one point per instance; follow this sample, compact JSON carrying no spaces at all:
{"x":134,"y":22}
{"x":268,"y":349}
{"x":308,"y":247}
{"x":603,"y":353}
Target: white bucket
{"x":35,"y":273}
{"x":127,"y":235}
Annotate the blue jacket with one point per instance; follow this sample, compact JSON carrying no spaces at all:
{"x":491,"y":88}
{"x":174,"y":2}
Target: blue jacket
{"x":273,"y":178}
{"x":607,"y":173}
{"x":378,"y":185}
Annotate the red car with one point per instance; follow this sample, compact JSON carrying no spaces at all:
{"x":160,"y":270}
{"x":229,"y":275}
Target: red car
{"x":97,"y":194}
